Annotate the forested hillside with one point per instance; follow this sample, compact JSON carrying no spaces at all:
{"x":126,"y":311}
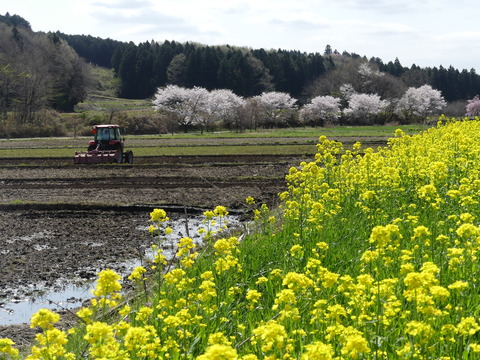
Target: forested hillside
{"x":248,"y":72}
{"x":145,"y":67}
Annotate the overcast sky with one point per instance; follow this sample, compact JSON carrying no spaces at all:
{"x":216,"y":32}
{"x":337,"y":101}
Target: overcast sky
{"x":422,"y":32}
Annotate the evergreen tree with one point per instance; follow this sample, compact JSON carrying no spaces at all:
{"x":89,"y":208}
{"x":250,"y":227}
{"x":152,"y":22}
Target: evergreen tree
{"x":126,"y":71}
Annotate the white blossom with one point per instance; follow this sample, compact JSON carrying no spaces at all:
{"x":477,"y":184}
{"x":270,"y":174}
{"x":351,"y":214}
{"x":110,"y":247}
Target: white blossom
{"x":365,"y":105}
{"x":366,"y":71}
{"x":321,"y":107}
{"x":186,"y":103}
{"x":347,"y":90}
{"x":198,"y":106}
{"x":473,"y":107}
{"x":275,"y":104}
{"x":420,"y":102}
{"x":276,"y":100}
{"x":224,"y":103}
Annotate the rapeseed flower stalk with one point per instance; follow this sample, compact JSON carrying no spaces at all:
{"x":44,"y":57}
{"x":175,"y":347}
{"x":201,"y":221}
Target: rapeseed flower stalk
{"x":213,"y":218}
{"x":107,"y":292}
{"x":137,"y":274}
{"x":51,"y":342}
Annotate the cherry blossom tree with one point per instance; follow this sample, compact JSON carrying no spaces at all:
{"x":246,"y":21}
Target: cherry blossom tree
{"x":418,"y":103}
{"x":364,"y":107}
{"x":197,"y":106}
{"x":321,"y":109}
{"x":473,"y":107}
{"x":186,"y":104}
{"x":220,"y":105}
{"x":276,"y":106}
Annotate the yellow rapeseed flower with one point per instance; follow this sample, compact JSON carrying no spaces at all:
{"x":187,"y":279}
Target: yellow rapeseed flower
{"x":44,"y":318}
{"x":468,"y":326}
{"x":219,"y":352}
{"x":296,"y":250}
{"x":421,"y":330}
{"x":220,"y":211}
{"x":253,"y":295}
{"x":137,"y":273}
{"x":355,"y":345}
{"x":218,"y":338}
{"x":468,"y":231}
{"x":261,"y":280}
{"x":158,"y":215}
{"x":85,"y":314}
{"x":458,"y":285}
{"x":174,"y":276}
{"x":271,"y":336}
{"x":209,"y":214}
{"x":318,"y":351}
{"x":297,"y":281}
{"x":107,"y":284}
{"x":143,"y":313}
{"x":7,"y":347}
{"x":98,"y":332}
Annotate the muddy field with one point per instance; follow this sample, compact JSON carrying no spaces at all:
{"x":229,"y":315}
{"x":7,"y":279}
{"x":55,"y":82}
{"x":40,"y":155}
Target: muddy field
{"x":61,"y":224}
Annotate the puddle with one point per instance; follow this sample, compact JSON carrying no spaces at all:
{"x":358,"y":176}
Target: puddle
{"x":20,"y":310}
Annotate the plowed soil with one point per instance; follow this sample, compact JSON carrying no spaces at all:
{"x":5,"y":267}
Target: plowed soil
{"x":64,"y":223}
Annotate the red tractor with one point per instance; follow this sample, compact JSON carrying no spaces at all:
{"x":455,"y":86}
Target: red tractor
{"x":107,"y":146}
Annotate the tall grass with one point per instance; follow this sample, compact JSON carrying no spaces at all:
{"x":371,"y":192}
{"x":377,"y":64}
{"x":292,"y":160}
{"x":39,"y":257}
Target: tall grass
{"x":371,"y":256}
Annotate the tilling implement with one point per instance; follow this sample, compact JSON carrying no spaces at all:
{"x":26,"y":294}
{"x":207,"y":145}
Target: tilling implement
{"x":106,"y":147}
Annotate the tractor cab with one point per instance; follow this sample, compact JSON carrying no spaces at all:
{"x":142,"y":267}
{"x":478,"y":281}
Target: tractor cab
{"x":106,"y":137}
{"x":107,"y":133}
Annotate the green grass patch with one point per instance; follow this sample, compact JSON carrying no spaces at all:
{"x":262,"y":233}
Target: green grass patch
{"x":291,"y":141}
{"x":315,"y":132}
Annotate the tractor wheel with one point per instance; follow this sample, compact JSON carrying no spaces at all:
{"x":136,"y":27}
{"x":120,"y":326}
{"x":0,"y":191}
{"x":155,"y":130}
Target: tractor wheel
{"x":119,"y":156}
{"x":129,"y":157}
